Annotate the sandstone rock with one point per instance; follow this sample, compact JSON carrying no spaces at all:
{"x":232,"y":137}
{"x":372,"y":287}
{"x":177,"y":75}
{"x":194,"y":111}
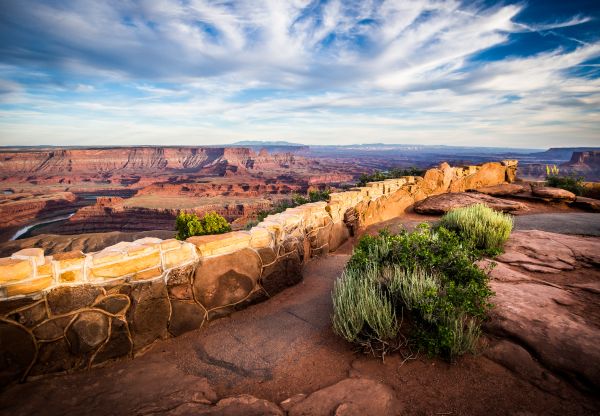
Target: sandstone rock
{"x":505,"y":189}
{"x":52,"y":329}
{"x":31,"y":315}
{"x":549,"y":252}
{"x":115,"y":304}
{"x":534,"y":315}
{"x":519,"y":361}
{"x":35,"y":254}
{"x":359,"y":397}
{"x":148,"y":315}
{"x":247,"y":405}
{"x":64,"y":299}
{"x":588,"y":204}
{"x":181,"y":275}
{"x":280,"y":273}
{"x":553,"y":193}
{"x":185,"y":316}
{"x":227,"y":279}
{"x":119,"y":343}
{"x":87,"y":332}
{"x":14,"y":269}
{"x":17,"y":352}
{"x":440,"y":204}
{"x":214,"y":245}
{"x":492,"y":173}
{"x":338,"y":235}
{"x":290,"y":402}
{"x":54,"y":357}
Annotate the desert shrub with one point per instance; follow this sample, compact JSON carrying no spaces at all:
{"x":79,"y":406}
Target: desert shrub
{"x":429,"y":274}
{"x":486,"y":228}
{"x":389,"y":174}
{"x":570,"y":183}
{"x":364,"y":314}
{"x":188,"y":225}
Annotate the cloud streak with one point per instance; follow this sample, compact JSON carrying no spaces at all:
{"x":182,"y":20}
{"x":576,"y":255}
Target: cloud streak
{"x":312,"y":71}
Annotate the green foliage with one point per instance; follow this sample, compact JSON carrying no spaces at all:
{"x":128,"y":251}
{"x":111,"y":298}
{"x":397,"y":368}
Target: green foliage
{"x":390,"y":174}
{"x":487,"y":229}
{"x":429,"y":274}
{"x":364,"y":314}
{"x":188,"y":225}
{"x":570,"y":183}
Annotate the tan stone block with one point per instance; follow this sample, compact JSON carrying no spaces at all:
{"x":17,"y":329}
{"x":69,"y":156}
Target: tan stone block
{"x":212,"y":245}
{"x":45,"y":270}
{"x":147,"y":274}
{"x":135,"y":250}
{"x":29,"y":286}
{"x":69,"y":259}
{"x":14,"y":269}
{"x":37,"y":254}
{"x":170,"y":244}
{"x":107,"y":256}
{"x":260,"y":237}
{"x":71,"y":276}
{"x":125,"y":266}
{"x":178,"y":256}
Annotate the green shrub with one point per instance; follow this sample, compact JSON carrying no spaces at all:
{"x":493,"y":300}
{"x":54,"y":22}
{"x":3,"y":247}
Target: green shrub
{"x":486,"y":228}
{"x":364,"y":313}
{"x":428,"y":274}
{"x":188,"y":225}
{"x":570,"y":183}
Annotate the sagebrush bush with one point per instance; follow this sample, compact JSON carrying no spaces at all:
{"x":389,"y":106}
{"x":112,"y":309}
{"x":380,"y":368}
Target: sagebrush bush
{"x":486,"y":228}
{"x":188,"y":225}
{"x":364,"y":314}
{"x":429,"y":274}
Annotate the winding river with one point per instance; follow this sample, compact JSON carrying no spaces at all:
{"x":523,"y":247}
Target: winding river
{"x":22,"y":232}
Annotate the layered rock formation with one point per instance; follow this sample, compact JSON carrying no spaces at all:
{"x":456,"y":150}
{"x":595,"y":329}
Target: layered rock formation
{"x":22,"y":208}
{"x":74,"y":310}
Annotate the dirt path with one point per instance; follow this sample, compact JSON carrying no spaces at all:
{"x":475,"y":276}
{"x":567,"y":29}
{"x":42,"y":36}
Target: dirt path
{"x":274,"y":350}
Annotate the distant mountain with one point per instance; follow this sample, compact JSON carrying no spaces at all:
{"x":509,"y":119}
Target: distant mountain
{"x":266,"y":143}
{"x":562,"y":153}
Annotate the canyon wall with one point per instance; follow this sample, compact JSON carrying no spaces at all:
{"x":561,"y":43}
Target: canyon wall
{"x":135,"y":160}
{"x":75,"y":310}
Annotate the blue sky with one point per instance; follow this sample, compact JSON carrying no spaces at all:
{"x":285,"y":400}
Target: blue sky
{"x":118,"y":72}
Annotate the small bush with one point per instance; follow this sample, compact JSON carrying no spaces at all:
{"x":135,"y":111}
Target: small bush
{"x":486,"y":228}
{"x":364,"y":313}
{"x":188,"y":225}
{"x":429,"y":274}
{"x":570,"y":183}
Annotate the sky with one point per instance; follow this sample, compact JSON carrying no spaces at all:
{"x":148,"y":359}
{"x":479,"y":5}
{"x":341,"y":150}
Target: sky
{"x":196,"y":72}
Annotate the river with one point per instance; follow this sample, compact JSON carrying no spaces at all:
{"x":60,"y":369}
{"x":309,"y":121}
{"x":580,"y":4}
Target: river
{"x":22,"y":232}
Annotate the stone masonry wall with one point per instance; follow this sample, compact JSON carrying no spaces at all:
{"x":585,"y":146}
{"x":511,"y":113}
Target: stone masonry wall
{"x":74,"y":310}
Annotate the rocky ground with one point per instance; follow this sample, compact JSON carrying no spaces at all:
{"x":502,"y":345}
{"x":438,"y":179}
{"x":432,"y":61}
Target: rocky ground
{"x":539,"y":354}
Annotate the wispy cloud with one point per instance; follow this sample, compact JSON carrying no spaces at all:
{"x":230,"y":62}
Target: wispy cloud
{"x":314,"y":71}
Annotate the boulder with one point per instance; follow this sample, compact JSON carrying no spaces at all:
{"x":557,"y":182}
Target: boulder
{"x":504,"y":189}
{"x":64,"y":299}
{"x":226,"y":279}
{"x":553,"y":194}
{"x":243,"y":404}
{"x":87,"y":332}
{"x":588,"y":204}
{"x":351,"y":396}
{"x":185,"y":316}
{"x":149,"y":312}
{"x":440,"y":204}
{"x":492,"y":173}
{"x":17,"y":352}
{"x":119,"y":342}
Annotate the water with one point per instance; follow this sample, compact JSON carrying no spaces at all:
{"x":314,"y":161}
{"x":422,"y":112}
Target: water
{"x":24,"y":232}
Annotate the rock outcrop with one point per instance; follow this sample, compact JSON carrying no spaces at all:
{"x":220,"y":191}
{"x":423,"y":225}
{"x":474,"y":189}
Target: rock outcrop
{"x":546,"y":296}
{"x":440,"y":204}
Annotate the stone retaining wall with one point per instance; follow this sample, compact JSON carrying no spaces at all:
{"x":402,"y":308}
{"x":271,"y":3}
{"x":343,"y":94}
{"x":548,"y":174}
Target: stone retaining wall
{"x":75,"y":310}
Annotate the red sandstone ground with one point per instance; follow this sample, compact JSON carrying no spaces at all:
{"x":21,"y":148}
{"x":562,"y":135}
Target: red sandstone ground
{"x":285,"y":346}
